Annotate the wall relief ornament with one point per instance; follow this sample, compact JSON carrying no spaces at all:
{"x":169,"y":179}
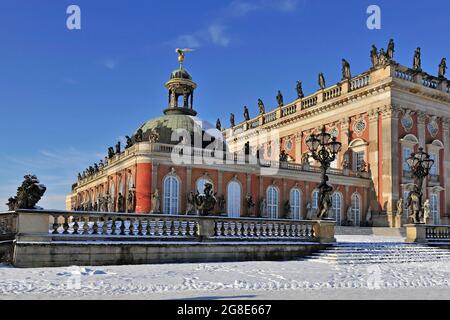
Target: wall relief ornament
{"x":407,"y":121}
{"x":433,"y":126}
{"x":359,"y":127}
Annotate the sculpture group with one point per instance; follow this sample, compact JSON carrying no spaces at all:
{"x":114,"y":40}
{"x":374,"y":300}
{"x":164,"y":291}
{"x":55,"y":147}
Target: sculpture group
{"x":28,"y":194}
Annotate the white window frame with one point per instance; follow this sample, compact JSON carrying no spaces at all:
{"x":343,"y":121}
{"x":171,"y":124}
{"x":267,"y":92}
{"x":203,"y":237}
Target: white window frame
{"x":273,"y":199}
{"x":406,"y":153}
{"x":233,"y":204}
{"x":171,"y":197}
{"x":337,"y":209}
{"x":295,"y":200}
{"x":356,"y":208}
{"x":435,"y":208}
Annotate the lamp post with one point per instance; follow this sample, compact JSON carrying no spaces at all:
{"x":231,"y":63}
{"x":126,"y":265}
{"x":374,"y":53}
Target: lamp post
{"x":323,"y":147}
{"x":420,"y":164}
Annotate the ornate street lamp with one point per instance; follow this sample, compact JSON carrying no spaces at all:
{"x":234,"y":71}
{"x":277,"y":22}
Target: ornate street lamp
{"x":420,"y":165}
{"x":323,"y":148}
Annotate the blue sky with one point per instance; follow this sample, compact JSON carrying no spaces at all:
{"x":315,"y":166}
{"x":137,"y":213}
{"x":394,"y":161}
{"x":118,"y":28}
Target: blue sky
{"x":65,"y":96}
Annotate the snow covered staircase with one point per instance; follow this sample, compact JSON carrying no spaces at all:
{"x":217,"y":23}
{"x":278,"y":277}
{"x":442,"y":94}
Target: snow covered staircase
{"x":389,"y":252}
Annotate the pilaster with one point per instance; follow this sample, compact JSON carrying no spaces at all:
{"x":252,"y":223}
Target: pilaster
{"x":373,"y":158}
{"x":446,"y":138}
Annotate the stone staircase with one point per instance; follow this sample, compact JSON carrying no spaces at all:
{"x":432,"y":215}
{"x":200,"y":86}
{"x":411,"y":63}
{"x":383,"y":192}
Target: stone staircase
{"x":382,"y":252}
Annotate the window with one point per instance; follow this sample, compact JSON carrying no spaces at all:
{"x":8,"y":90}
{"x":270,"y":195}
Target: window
{"x":234,"y":199}
{"x":356,"y":209}
{"x":405,"y":203}
{"x":315,"y":200}
{"x":272,"y":202}
{"x":434,"y":168}
{"x":358,"y":160}
{"x":334,"y":164}
{"x":336,"y":208}
{"x":295,"y":201}
{"x":434,"y":208}
{"x":406,"y":154}
{"x":171,"y":195}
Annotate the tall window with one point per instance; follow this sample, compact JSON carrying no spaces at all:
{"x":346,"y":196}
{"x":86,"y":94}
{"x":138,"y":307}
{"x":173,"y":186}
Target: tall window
{"x":234,"y":199}
{"x":336,"y":208}
{"x":405,"y":202}
{"x":358,"y":159}
{"x":434,"y":169}
{"x":295,"y":201}
{"x":315,"y":200}
{"x":171,"y":195}
{"x":356,"y":209}
{"x":434,"y":208}
{"x":272,"y":202}
{"x":406,"y":154}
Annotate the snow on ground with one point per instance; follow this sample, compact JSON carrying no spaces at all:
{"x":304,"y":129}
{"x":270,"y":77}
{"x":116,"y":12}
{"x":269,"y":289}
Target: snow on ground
{"x":302,"y":279}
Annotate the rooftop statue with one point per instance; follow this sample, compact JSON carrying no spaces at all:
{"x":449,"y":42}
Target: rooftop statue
{"x":153,"y":136}
{"x":129,"y":142}
{"x":374,"y":56}
{"x":299,"y":88}
{"x":139,"y":136}
{"x":182,"y":55}
{"x":246,"y":114}
{"x":118,"y":151}
{"x":262,"y":108}
{"x":417,"y":61}
{"x":383,"y":57}
{"x":232,"y":121}
{"x":218,"y":125}
{"x":110,"y":152}
{"x":280,"y":99}
{"x":346,"y":74}
{"x":390,"y":50}
{"x":322,"y":84}
{"x":442,"y":68}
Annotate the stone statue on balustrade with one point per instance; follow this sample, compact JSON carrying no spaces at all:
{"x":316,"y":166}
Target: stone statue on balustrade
{"x":417,"y":61}
{"x":218,"y":125}
{"x":390,"y":50}
{"x":442,"y":68}
{"x":153,"y":136}
{"x":190,"y":204}
{"x":309,"y":211}
{"x":324,"y":201}
{"x":346,"y":163}
{"x":96,"y":168}
{"x":129,"y":142}
{"x":28,"y":194}
{"x":263,"y":208}
{"x":232,"y":121}
{"x":120,"y":203}
{"x":383,"y":57}
{"x":287,"y":209}
{"x":400,"y":207}
{"x":110,"y":202}
{"x":322,"y":83}
{"x":118,"y":148}
{"x":280,"y":99}
{"x":305,"y":161}
{"x":156,"y":202}
{"x":261,"y":107}
{"x":131,"y":200}
{"x":426,"y":211}
{"x":413,"y":205}
{"x":250,"y":204}
{"x":300,"y":94}
{"x":139,"y":136}
{"x":221,"y":202}
{"x":12,"y":203}
{"x":206,"y":201}
{"x":283,"y":156}
{"x":246,"y":114}
{"x":346,"y":73}
{"x":374,"y":56}
{"x":350,"y":220}
{"x":110,"y":152}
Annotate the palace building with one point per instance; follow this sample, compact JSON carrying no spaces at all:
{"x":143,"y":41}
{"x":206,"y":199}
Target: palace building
{"x":260,"y":167}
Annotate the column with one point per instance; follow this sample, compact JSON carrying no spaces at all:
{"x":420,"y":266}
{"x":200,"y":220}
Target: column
{"x":390,"y":169}
{"x":446,"y":138}
{"x":373,"y":159}
{"x":220,"y":183}
{"x":155,"y":177}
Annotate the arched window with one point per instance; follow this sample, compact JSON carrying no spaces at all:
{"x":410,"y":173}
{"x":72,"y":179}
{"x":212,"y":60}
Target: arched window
{"x":336,"y":208}
{"x":434,"y":208}
{"x":171,"y":195}
{"x":315,"y":200}
{"x":201,"y":185}
{"x":234,"y":199}
{"x":295,"y":199}
{"x":272,"y":202}
{"x":356,"y":209}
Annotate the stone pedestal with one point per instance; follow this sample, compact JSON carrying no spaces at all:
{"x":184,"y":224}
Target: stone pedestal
{"x":416,"y":233}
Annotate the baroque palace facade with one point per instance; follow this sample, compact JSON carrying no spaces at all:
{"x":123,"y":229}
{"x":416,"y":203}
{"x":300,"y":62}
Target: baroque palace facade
{"x":263,"y":170}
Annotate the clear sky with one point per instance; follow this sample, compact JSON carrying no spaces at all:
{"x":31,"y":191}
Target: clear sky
{"x":66,"y":95}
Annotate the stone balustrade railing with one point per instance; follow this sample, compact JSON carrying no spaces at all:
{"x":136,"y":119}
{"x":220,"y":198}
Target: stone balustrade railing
{"x":47,"y":226}
{"x":359,"y":82}
{"x":437,"y":233}
{"x":421,"y":233}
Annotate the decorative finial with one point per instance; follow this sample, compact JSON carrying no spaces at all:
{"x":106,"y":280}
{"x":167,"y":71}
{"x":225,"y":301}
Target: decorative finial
{"x":181,"y":55}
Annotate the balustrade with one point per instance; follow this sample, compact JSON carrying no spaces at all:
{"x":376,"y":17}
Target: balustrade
{"x":359,"y":82}
{"x":437,"y":232}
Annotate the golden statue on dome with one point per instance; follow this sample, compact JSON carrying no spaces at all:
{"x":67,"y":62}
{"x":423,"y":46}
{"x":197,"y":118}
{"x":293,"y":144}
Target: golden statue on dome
{"x":182,"y":55}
